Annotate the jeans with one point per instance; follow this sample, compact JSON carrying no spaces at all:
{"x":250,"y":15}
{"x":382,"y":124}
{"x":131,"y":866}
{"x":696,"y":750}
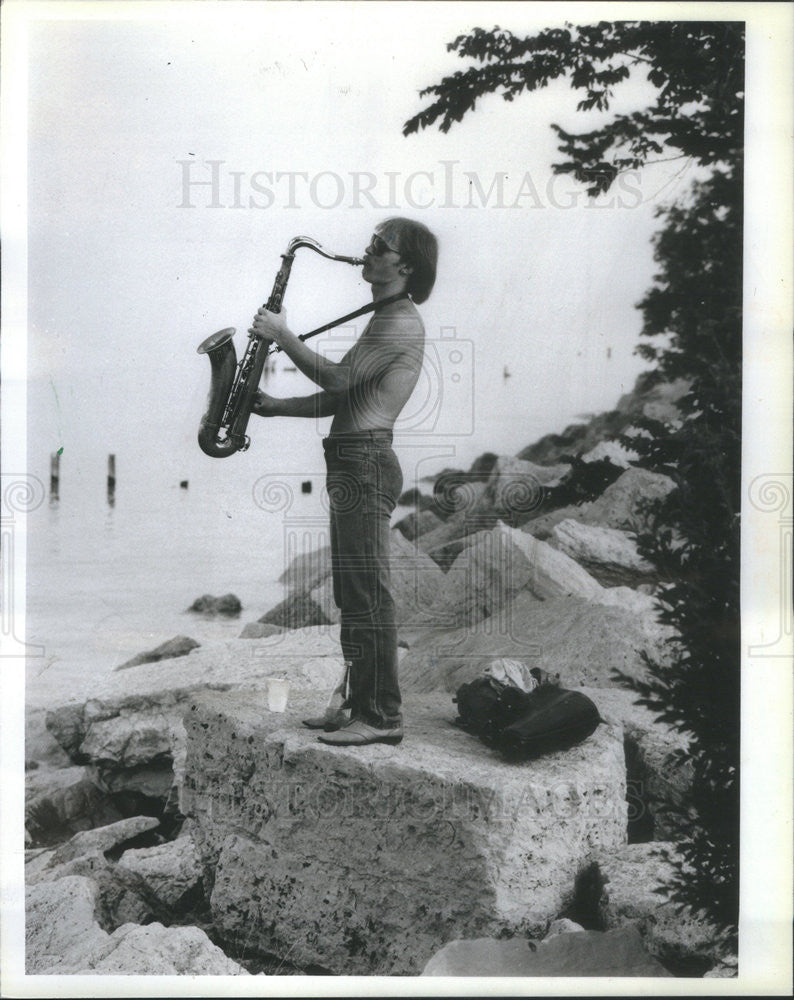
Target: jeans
{"x":364,"y":481}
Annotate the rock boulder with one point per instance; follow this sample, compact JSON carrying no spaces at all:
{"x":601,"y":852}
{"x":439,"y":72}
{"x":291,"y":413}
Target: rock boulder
{"x":227,"y":605}
{"x":418,"y":523}
{"x":155,"y":950}
{"x":543,"y":525}
{"x":308,"y":569}
{"x":103,"y":838}
{"x":180,"y":645}
{"x":659,"y":768}
{"x":515,"y":488}
{"x":122,"y":896}
{"x":608,"y":554}
{"x":172,"y":870}
{"x":629,"y":878}
{"x":367,"y":860}
{"x":297,"y":610}
{"x":131,"y":735}
{"x":60,"y":929}
{"x":62,"y":937}
{"x":260,"y":630}
{"x":493,"y":566}
{"x":581,"y":641}
{"x":621,"y":505}
{"x":588,"y":953}
{"x":60,"y":802}
{"x":441,"y":543}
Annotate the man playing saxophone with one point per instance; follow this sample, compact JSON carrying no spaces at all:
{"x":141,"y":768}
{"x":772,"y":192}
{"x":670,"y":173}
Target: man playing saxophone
{"x":365,"y":392}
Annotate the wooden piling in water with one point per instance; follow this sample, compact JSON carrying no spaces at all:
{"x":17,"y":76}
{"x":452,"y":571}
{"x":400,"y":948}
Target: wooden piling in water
{"x":55,"y":474}
{"x":111,"y":479}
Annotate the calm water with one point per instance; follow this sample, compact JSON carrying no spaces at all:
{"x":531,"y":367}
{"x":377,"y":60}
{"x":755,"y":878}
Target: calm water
{"x":106,"y":583}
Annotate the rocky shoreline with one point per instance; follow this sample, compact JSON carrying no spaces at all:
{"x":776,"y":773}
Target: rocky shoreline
{"x":175,"y":825}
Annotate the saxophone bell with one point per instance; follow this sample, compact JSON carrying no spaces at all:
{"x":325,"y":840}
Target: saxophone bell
{"x":223,"y":361}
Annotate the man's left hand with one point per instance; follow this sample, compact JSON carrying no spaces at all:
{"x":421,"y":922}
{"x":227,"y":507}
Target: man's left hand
{"x":271,"y":326}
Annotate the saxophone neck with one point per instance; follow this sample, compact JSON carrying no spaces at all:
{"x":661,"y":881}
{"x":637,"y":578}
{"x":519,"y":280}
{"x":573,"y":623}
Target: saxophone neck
{"x":311,"y":244}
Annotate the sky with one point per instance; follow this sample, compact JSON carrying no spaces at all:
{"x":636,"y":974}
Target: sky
{"x":171,"y":160}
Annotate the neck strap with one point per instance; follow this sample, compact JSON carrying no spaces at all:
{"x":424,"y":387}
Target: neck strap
{"x":369,"y":307}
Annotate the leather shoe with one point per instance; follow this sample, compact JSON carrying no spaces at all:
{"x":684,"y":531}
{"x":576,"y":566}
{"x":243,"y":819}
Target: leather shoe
{"x":360,"y":734}
{"x":329,"y":721}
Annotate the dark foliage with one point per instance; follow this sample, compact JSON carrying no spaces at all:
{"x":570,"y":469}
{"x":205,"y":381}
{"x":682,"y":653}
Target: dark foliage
{"x":692,"y":329}
{"x":697,"y":540}
{"x":584,"y":482}
{"x":697,"y":68}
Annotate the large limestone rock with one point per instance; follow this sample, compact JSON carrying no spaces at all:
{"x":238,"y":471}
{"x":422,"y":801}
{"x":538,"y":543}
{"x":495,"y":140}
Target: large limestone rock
{"x":587,"y":953}
{"x":542,"y":526}
{"x":608,"y":554}
{"x":60,"y":929}
{"x":418,"y":523}
{"x":61,"y":801}
{"x":130,"y":734}
{"x":171,"y":870}
{"x":103,"y":838}
{"x":122,"y":896}
{"x":298,"y":610}
{"x":580,"y":640}
{"x":513,"y":493}
{"x":551,"y":573}
{"x":156,"y":950}
{"x":493,"y":566}
{"x":440,"y":542}
{"x":621,"y":504}
{"x":131,"y":749}
{"x":514,"y":490}
{"x":41,"y":749}
{"x":489,"y":571}
{"x":368,"y":860}
{"x":657,"y":759}
{"x":457,"y":493}
{"x":629,"y":878}
{"x":308,"y":569}
{"x":260,"y":630}
{"x":62,"y":937}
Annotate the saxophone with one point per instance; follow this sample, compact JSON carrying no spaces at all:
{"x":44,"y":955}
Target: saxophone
{"x":233,"y":386}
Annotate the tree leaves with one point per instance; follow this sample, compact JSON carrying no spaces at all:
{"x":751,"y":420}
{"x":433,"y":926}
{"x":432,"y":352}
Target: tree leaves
{"x":697,"y":68}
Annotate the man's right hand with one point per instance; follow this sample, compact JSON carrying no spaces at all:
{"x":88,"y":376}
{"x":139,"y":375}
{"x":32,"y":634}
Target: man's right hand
{"x":264,"y":405}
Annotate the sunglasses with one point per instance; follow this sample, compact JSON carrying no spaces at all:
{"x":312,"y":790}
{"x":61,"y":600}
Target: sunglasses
{"x":378,"y":247}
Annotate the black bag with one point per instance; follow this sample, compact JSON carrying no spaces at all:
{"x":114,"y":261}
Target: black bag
{"x":486,"y":706}
{"x":522,"y":725}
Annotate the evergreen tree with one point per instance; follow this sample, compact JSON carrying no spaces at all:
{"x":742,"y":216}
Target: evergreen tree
{"x":692,"y":329}
{"x":696,"y":304}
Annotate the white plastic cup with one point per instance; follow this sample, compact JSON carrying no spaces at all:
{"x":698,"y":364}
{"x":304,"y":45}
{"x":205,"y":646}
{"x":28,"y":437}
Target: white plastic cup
{"x":277,"y":694}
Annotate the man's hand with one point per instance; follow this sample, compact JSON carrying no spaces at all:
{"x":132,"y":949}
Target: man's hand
{"x":264,"y":405}
{"x":271,"y":326}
